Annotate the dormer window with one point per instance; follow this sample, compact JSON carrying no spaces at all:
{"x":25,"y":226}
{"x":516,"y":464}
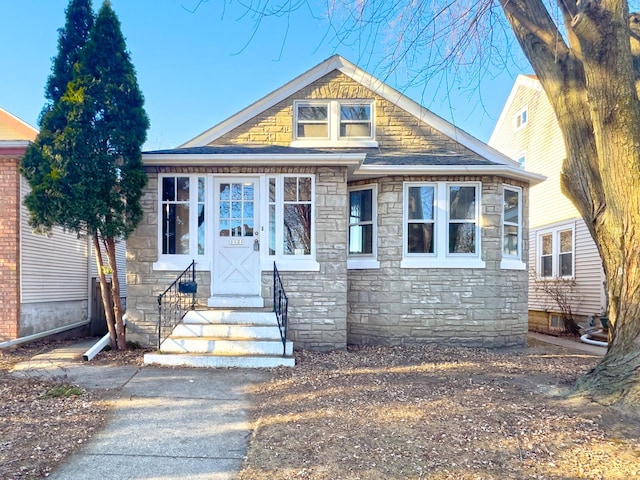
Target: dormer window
{"x":321,"y":123}
{"x":355,"y":121}
{"x":313,"y":120}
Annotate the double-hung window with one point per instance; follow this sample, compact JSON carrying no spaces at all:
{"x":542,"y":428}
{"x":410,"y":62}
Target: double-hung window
{"x":441,"y":225}
{"x":555,"y":253}
{"x":334,"y":123}
{"x":182,"y":218}
{"x":363,"y":227}
{"x":291,"y":221}
{"x":512,"y":228}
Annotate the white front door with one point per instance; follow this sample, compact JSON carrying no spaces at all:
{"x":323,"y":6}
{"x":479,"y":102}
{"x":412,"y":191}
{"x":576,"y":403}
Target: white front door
{"x":236,"y":263}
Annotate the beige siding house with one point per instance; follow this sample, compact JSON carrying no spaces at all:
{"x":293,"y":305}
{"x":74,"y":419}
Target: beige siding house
{"x":46,"y":279}
{"x":561,"y":251}
{"x":387,"y":224}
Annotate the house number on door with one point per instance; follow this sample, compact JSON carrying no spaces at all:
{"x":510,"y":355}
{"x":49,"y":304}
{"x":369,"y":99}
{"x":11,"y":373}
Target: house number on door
{"x":235,"y":241}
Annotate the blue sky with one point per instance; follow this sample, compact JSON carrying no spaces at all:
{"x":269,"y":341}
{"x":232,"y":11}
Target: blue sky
{"x":197,"y":68}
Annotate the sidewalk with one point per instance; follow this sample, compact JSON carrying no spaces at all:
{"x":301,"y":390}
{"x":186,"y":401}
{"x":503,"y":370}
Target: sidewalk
{"x":176,"y":423}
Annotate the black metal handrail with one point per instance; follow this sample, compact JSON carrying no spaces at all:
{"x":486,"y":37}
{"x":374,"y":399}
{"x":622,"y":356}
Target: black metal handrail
{"x":280,"y":307}
{"x":176,"y":301}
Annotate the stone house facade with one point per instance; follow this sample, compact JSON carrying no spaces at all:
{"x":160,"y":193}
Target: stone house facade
{"x":387,"y":224}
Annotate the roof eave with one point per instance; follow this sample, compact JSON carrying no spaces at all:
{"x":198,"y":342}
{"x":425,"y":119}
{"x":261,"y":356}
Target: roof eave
{"x":500,"y":170}
{"x":252,"y":159}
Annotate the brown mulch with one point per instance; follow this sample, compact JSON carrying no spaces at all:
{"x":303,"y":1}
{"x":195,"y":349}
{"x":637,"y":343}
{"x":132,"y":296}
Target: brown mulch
{"x":428,"y":412}
{"x":43,"y":422}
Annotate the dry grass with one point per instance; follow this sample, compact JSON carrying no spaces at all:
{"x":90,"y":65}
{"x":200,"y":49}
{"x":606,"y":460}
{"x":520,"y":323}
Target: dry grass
{"x":436,"y":413}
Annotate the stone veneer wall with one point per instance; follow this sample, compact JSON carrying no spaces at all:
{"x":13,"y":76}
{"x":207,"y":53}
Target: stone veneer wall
{"x":471,"y":307}
{"x":394,"y":127}
{"x":9,"y":248}
{"x":318,"y":300}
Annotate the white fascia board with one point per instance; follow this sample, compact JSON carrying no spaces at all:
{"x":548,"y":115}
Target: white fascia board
{"x":507,"y":171}
{"x":521,"y":81}
{"x":346,"y":159}
{"x":266,"y":102}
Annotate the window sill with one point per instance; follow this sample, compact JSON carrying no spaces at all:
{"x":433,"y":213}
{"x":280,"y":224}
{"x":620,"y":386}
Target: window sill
{"x":432,"y":262}
{"x":178,"y":264}
{"x":334,"y":143}
{"x":292,"y":265}
{"x":512,"y":264}
{"x":362,"y":263}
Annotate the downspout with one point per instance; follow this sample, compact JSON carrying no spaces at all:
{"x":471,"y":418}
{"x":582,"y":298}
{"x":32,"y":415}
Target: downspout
{"x":37,"y":336}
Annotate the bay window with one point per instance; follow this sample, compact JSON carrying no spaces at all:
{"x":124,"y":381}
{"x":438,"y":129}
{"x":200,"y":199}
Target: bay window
{"x":362,"y":227}
{"x":441,"y":225}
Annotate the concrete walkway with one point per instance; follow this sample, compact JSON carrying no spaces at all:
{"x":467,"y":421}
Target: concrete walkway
{"x":569,"y":343}
{"x":176,"y":423}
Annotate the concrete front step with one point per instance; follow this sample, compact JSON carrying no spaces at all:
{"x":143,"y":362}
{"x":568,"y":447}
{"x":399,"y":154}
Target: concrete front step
{"x":218,"y":361}
{"x":230,"y":317}
{"x":238,"y":331}
{"x":225,"y":346}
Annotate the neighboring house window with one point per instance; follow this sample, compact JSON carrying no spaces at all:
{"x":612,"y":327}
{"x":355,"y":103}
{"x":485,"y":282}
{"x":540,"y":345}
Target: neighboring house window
{"x":555,"y":253}
{"x":291,"y":218}
{"x":363,"y":227}
{"x":441,"y":225}
{"x":335,"y":122}
{"x":182,"y":222}
{"x":521,"y":118}
{"x":522,"y":160}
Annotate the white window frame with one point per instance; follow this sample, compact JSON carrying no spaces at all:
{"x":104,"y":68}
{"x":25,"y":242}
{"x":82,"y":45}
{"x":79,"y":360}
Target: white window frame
{"x":521,"y":158}
{"x":365,"y":261}
{"x":521,"y":118}
{"x":334,"y":120}
{"x":441,"y":258}
{"x":169,"y":261}
{"x":286,"y":262}
{"x":555,"y":252}
{"x":512,"y":262}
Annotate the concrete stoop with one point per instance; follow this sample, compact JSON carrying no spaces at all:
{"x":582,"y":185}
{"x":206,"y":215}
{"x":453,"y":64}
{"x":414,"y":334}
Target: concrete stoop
{"x":225,"y":339}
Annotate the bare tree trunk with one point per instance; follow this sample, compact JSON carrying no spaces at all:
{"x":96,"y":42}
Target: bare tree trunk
{"x":110,"y":248}
{"x":105,"y":294}
{"x":591,"y":86}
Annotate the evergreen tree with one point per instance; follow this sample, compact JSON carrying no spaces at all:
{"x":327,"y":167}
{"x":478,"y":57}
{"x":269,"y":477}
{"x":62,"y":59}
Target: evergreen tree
{"x":90,"y":154}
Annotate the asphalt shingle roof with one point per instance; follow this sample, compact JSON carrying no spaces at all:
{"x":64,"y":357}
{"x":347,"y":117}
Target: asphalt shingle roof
{"x":374,"y":156}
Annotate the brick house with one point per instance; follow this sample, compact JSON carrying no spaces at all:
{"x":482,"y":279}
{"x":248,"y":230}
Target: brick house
{"x":388,"y":225}
{"x":46,"y":279}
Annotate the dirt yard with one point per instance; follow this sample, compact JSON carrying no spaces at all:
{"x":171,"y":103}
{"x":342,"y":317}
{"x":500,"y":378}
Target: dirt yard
{"x":370,"y":413}
{"x":437,"y":413}
{"x":42,"y":423}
